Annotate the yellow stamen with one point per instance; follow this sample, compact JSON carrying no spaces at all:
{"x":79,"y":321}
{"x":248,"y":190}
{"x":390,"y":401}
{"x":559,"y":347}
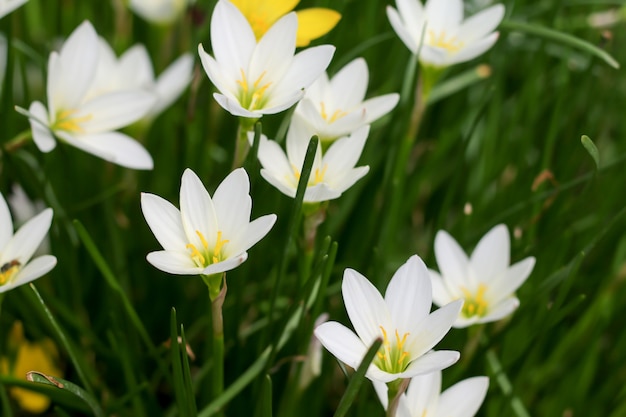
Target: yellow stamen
{"x":244,"y":81}
{"x":440,"y":40}
{"x":218,"y":247}
{"x":319,"y":175}
{"x":337,"y":114}
{"x":252,"y":98}
{"x":8,"y":270}
{"x":475,"y":304}
{"x":392,"y":358}
{"x":195,"y":254}
{"x":65,"y":120}
{"x":203,"y":240}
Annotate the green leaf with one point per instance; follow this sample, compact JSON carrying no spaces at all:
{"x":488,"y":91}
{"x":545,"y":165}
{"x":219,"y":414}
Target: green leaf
{"x":180,"y":392}
{"x":561,"y":37}
{"x":357,"y":380}
{"x":69,"y":387}
{"x":591,"y":148}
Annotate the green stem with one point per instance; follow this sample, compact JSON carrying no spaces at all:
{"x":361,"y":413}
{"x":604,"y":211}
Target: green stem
{"x":242,"y":146}
{"x":18,"y":141}
{"x":217,"y":322}
{"x":395,"y":389}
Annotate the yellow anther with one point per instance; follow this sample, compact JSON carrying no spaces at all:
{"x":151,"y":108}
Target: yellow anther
{"x":65,"y":120}
{"x":244,"y":81}
{"x":337,"y":114}
{"x":440,"y":40}
{"x":319,"y":175}
{"x":218,"y":247}
{"x":402,"y":357}
{"x":8,"y":270}
{"x":475,"y":304}
{"x":202,"y":239}
{"x":385,"y":338}
{"x":195,"y":254}
{"x":400,"y":341}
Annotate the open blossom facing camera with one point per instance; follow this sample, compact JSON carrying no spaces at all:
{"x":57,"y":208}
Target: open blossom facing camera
{"x":312,"y":23}
{"x":331,"y":175}
{"x":448,"y":39}
{"x":207,"y":235}
{"x":402,"y":319}
{"x":336,"y":107}
{"x":423,"y":397}
{"x":81,"y":119}
{"x":16,"y":267}
{"x":485,"y":280}
{"x":259,"y":78}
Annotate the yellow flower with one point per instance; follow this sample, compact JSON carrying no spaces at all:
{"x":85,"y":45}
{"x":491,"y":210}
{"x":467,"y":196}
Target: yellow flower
{"x":312,"y":23}
{"x":39,"y":356}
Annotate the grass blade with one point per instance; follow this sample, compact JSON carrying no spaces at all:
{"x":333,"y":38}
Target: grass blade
{"x":69,"y":387}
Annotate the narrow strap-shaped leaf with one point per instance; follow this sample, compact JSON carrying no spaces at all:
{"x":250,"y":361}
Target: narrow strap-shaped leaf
{"x":180,"y":392}
{"x":592,"y":149}
{"x":69,"y":387}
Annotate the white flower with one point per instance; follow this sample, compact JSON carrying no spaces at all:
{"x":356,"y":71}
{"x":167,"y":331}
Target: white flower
{"x":336,"y":107}
{"x":401,"y":319}
{"x":17,"y":249}
{"x":331,"y":174}
{"x":423,"y":397}
{"x":448,"y":39}
{"x":7,"y":6}
{"x":206,"y":236}
{"x":88,"y":123}
{"x":24,"y":209}
{"x":259,"y":78}
{"x":485,"y":280}
{"x":160,"y":12}
{"x":134,"y":70}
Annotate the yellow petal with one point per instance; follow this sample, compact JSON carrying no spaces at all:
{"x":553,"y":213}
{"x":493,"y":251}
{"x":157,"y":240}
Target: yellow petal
{"x":262,"y":14}
{"x":315,"y":22}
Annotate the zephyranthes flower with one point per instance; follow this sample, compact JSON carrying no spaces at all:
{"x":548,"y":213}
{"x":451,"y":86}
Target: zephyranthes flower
{"x":485,"y":280}
{"x":17,"y":249}
{"x":423,"y":397}
{"x":312,"y":23}
{"x":447,"y":38}
{"x":332,"y":174}
{"x":134,"y":70}
{"x":336,"y":107}
{"x":7,"y":6}
{"x":402,"y":319}
{"x":207,"y":235}
{"x":84,"y":120}
{"x":259,"y":78}
{"x":160,"y":12}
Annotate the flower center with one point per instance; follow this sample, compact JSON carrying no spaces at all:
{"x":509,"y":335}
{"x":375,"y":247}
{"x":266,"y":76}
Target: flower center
{"x":442,"y":40}
{"x":8,"y":270}
{"x":392,"y":357}
{"x":251,"y":97}
{"x":475,"y":304}
{"x":337,"y":114}
{"x":316,"y":178}
{"x":68,"y":121}
{"x":207,"y":257}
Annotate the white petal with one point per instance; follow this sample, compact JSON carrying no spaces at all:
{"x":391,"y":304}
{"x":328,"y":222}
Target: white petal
{"x":28,"y":238}
{"x":135,"y":67}
{"x":319,"y":193}
{"x":401,"y":30}
{"x":444,"y":14}
{"x":6,"y":223}
{"x":33,"y":270}
{"x":441,"y":295}
{"x":41,"y":133}
{"x":481,"y":24}
{"x":257,"y":229}
{"x":377,"y":107}
{"x":431,"y":362}
{"x":115,"y":110}
{"x":500,"y":311}
{"x":225,"y":265}
{"x":422,"y":395}
{"x":344,"y":153}
{"x":164,"y":220}
{"x":349,"y":179}
{"x":350,"y":84}
{"x":411,"y":11}
{"x":464,"y":398}
{"x":491,"y":257}
{"x":274,"y":51}
{"x":428,"y":332}
{"x":115,"y":147}
{"x":511,"y":280}
{"x":178,"y":263}
{"x":409,"y":294}
{"x":341,"y":342}
{"x":452,"y":261}
{"x":198,"y":213}
{"x":225,"y":82}
{"x":233,"y":204}
{"x":365,"y":306}
{"x":234,"y":107}
{"x":278,"y":182}
{"x":172,"y":82}
{"x":475,"y":49}
{"x":273,"y":158}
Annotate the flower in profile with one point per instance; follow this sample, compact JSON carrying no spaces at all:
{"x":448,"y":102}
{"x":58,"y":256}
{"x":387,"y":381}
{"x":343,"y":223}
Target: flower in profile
{"x":485,"y":280}
{"x":207,"y":235}
{"x":424,"y":398}
{"x":253,"y":78}
{"x":134,"y":70}
{"x":87,"y":121}
{"x":402,"y":320}
{"x":16,"y":267}
{"x":41,"y":356}
{"x":7,"y":6}
{"x":331,"y":175}
{"x":312,"y":23}
{"x":160,"y":12}
{"x":447,"y":38}
{"x":336,"y":107}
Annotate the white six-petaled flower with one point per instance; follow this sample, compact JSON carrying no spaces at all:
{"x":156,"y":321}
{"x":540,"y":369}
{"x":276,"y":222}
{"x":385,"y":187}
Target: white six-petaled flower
{"x":81,"y":119}
{"x":447,"y":38}
{"x":17,"y":249}
{"x":485,"y":280}
{"x":402,"y":320}
{"x":423,"y":397}
{"x":259,"y":78}
{"x":331,"y":175}
{"x":207,"y":235}
{"x":336,"y":107}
